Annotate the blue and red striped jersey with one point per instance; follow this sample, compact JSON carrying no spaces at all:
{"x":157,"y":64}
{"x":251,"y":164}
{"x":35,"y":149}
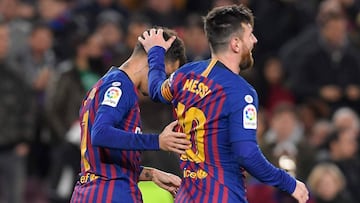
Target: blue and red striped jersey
{"x":215,"y":108}
{"x":110,"y":130}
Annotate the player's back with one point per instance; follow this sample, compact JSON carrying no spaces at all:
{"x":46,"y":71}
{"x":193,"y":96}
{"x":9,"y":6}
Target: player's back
{"x":103,"y":167}
{"x":205,"y":96}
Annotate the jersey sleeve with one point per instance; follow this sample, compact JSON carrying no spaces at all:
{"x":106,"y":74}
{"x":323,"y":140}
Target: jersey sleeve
{"x":243,"y":116}
{"x":115,"y":100}
{"x":249,"y":156}
{"x":159,"y":86}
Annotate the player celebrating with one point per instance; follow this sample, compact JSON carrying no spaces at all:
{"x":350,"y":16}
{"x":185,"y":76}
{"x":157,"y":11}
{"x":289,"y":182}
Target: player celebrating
{"x":217,"y":109}
{"x":111,"y":134}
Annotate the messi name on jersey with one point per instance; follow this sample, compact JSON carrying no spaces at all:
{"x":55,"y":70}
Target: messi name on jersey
{"x":196,"y":87}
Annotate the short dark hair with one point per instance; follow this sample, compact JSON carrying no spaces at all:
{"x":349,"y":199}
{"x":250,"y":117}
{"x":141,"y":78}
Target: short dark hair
{"x":174,"y":53}
{"x":221,"y":22}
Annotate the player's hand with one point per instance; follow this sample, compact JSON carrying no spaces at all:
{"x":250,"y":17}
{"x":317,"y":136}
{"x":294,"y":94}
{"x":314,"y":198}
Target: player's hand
{"x":167,"y":181}
{"x":169,"y":140}
{"x":301,"y":194}
{"x":155,"y":37}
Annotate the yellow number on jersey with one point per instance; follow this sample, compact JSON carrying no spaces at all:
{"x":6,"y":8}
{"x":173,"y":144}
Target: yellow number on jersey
{"x":84,"y":125}
{"x":192,"y":121}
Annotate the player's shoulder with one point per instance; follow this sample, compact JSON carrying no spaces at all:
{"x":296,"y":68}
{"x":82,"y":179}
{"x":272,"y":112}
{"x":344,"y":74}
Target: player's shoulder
{"x":116,"y":87}
{"x":231,"y":81}
{"x":193,"y":66}
{"x":116,"y":77}
{"x":240,"y":88}
{"x":245,"y":85}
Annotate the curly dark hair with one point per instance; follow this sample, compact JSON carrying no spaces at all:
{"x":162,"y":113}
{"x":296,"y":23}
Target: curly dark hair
{"x":174,"y":53}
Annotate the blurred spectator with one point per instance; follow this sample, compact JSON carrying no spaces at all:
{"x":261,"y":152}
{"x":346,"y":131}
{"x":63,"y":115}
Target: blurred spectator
{"x":283,"y":142}
{"x":310,"y":111}
{"x":19,"y":25}
{"x":274,"y":91}
{"x":345,"y":118}
{"x":330,"y":68}
{"x":15,"y":9}
{"x":130,"y":5}
{"x":352,"y":8}
{"x":293,"y":52}
{"x":327,"y":184}
{"x":57,"y":15}
{"x":95,"y":54}
{"x":63,"y":102}
{"x":318,"y":137}
{"x":89,"y":12}
{"x":320,"y":131}
{"x":36,"y":62}
{"x":290,"y":20}
{"x":37,"y":58}
{"x":197,"y":47}
{"x":16,"y":117}
{"x":137,"y":24}
{"x":342,"y":147}
{"x":199,"y":6}
{"x":162,"y":13}
{"x":110,"y":29}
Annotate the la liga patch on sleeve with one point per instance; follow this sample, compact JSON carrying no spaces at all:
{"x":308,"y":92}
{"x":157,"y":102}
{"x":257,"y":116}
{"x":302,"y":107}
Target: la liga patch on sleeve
{"x":112,"y":96}
{"x":250,"y":117}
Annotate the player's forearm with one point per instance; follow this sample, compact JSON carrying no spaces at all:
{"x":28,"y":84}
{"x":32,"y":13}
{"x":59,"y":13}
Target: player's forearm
{"x":146,"y":174}
{"x":156,"y":75}
{"x":104,"y":134}
{"x":251,"y":158}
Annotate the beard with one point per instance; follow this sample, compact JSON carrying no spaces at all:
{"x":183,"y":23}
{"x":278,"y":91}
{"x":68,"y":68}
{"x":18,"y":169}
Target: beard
{"x":247,"y":61}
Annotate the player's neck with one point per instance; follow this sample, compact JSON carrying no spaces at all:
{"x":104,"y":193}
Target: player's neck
{"x":229,"y":60}
{"x":135,"y":68}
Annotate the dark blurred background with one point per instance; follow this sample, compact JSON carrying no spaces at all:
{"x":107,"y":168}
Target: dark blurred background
{"x":307,"y":74}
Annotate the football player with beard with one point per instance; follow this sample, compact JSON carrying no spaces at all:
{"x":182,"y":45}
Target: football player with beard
{"x":217,"y":109}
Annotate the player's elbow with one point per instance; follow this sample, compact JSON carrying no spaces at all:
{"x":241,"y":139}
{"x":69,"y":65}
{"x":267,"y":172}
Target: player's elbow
{"x":96,"y":133}
{"x":153,"y":93}
{"x":244,"y":150}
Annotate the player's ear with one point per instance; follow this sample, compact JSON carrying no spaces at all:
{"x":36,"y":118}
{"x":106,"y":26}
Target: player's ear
{"x":235,"y":44}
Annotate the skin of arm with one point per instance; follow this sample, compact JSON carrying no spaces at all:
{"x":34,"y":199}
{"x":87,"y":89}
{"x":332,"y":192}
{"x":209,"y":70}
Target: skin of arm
{"x":167,"y":181}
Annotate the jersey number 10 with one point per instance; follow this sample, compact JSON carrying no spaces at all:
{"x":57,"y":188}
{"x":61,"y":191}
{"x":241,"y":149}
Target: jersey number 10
{"x":192,"y":123}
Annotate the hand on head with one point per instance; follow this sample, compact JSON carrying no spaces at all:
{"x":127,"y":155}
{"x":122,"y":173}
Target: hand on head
{"x":155,"y":37}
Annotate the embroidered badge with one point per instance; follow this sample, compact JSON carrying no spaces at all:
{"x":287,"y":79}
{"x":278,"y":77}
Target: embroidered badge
{"x":112,"y":96}
{"x":249,"y":117}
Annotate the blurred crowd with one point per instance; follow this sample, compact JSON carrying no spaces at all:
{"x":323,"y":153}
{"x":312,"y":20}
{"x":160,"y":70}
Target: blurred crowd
{"x":307,"y":74}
